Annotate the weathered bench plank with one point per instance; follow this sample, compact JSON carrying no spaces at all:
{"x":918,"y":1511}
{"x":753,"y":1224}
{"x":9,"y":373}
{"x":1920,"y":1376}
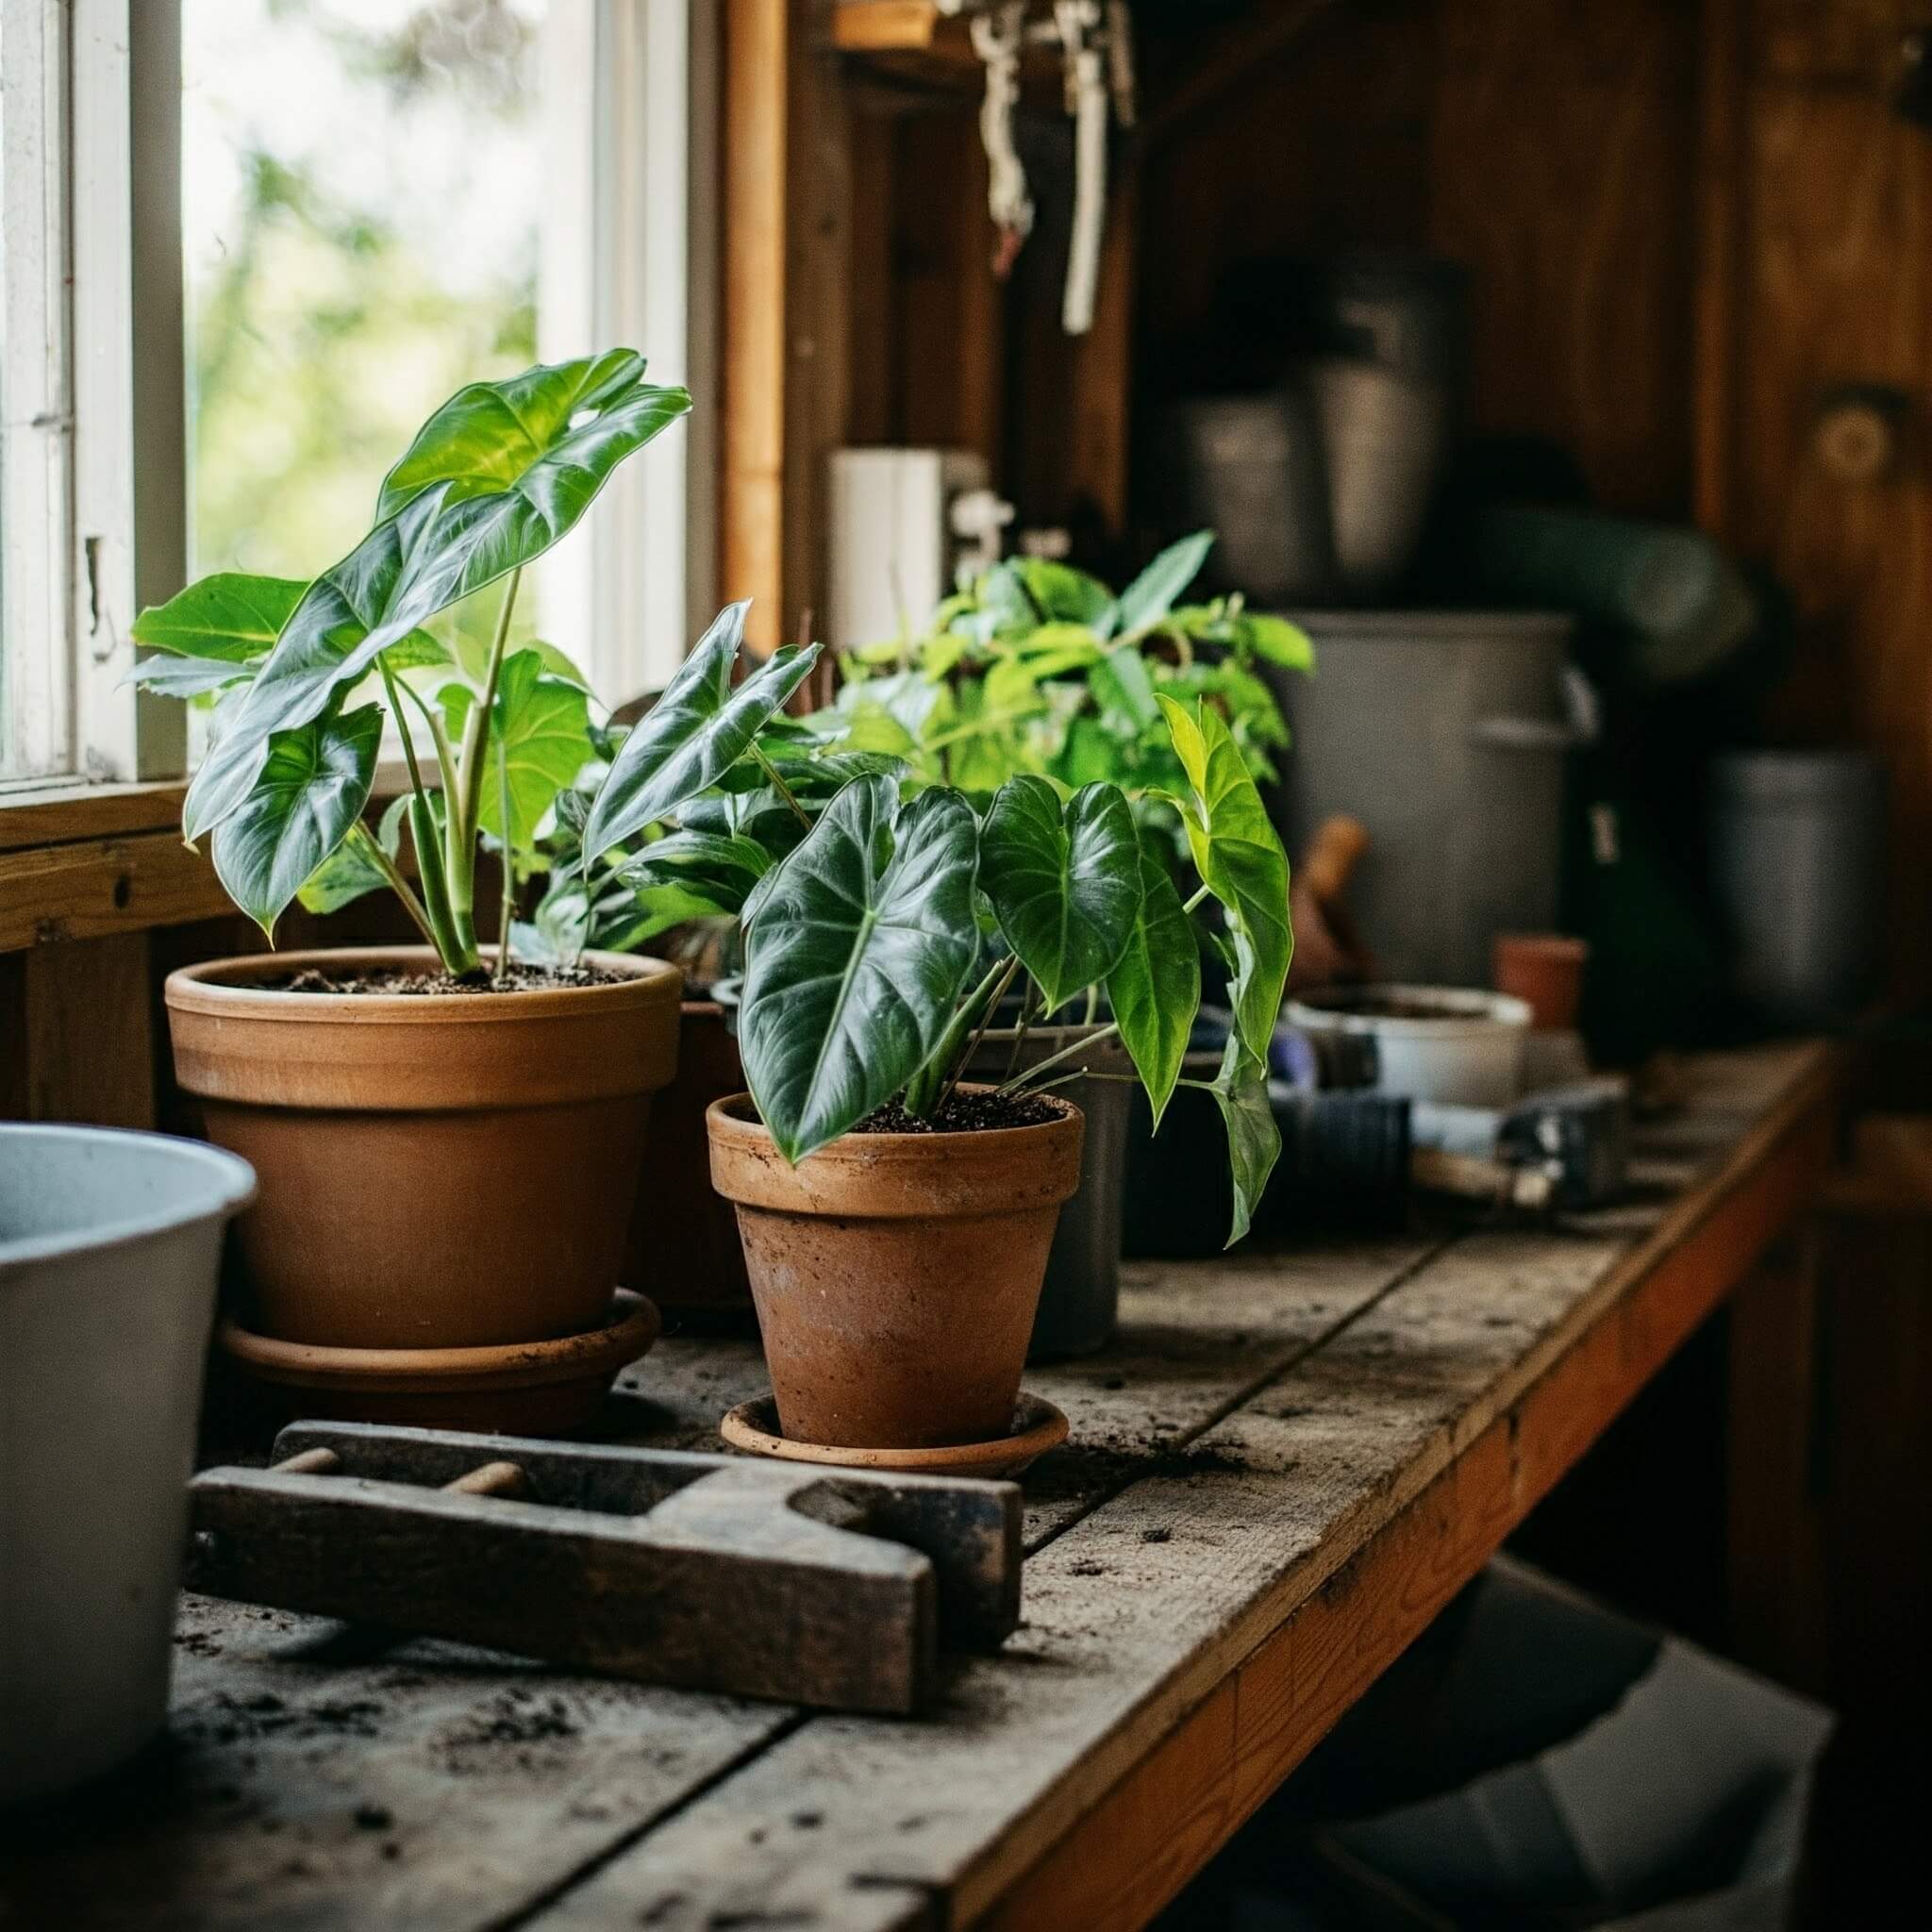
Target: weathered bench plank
{"x":1402,"y":1430}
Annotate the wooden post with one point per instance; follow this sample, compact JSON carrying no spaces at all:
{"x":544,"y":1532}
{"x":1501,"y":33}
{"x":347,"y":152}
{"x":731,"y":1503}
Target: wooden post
{"x":751,"y":506}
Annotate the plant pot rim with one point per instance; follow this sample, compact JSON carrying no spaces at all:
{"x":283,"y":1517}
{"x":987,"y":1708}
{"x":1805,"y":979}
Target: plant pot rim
{"x":628,"y":1332}
{"x":223,"y":987}
{"x":232,"y":1186}
{"x":1465,"y":1010}
{"x":735,"y":1120}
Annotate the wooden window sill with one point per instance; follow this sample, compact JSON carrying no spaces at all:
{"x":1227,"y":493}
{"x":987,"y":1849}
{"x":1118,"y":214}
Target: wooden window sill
{"x":82,"y":861}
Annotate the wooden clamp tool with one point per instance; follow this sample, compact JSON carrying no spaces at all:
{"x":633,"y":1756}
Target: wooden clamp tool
{"x":717,"y":1573}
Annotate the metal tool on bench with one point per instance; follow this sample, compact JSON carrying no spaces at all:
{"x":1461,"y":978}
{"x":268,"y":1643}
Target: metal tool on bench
{"x":823,"y":1587}
{"x":1568,"y":1148}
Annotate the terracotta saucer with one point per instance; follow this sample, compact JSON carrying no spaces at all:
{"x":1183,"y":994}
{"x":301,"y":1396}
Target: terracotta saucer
{"x":1038,"y":1426}
{"x":524,"y":1388}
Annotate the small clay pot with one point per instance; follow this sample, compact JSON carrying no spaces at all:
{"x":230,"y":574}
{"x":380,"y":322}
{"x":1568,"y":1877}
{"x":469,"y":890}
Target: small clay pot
{"x":896,"y":1275}
{"x":1545,"y":971}
{"x":451,"y":1172}
{"x":683,"y":1250}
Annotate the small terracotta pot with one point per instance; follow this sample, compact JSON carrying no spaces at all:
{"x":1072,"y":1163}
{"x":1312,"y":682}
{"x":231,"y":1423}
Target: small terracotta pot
{"x":684,"y":1251}
{"x":896,"y":1275}
{"x":435,"y":1172}
{"x":1546,"y":970}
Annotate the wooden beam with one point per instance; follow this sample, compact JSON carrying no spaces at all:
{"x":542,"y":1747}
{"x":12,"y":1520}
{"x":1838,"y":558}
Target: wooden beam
{"x":1233,"y":58}
{"x":98,"y":886}
{"x":1723,"y":108}
{"x":63,"y":814}
{"x":85,"y":1048}
{"x":751,"y":511}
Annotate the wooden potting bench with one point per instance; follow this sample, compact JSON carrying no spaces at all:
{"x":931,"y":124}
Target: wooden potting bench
{"x":1283,"y":1470}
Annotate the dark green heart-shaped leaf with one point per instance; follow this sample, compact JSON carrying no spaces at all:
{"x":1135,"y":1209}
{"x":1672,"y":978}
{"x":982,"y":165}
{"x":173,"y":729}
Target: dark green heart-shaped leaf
{"x":1155,"y":988}
{"x":1239,"y":856}
{"x":693,"y":735}
{"x":1065,"y":883}
{"x":1254,"y":1139}
{"x":1152,"y":595}
{"x":857,"y":956}
{"x":446,"y":542}
{"x":540,"y":729}
{"x":312,"y":787}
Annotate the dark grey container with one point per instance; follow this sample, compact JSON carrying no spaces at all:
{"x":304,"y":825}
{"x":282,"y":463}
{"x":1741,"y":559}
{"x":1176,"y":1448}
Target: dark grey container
{"x":1445,"y":733}
{"x":1797,"y":846}
{"x":1080,"y":1303}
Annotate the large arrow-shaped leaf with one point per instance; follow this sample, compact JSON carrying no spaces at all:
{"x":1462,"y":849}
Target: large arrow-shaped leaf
{"x":693,"y":735}
{"x":540,"y":729}
{"x":860,"y":950}
{"x":313,"y":786}
{"x":1154,"y":989}
{"x":489,"y":434}
{"x":1065,"y":884}
{"x":1240,"y":862}
{"x":446,"y":541}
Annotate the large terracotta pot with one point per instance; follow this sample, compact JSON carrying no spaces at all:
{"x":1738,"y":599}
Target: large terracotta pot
{"x":684,"y":1251}
{"x":445,"y":1172}
{"x":896,"y":1275}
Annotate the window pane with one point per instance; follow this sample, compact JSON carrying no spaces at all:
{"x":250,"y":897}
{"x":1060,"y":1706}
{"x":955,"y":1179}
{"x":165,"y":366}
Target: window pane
{"x":362,"y":191}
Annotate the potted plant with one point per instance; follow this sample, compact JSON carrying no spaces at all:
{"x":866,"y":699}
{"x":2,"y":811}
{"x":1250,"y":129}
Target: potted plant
{"x":446,"y":1137}
{"x":108,"y":1246}
{"x":1036,"y":667}
{"x":896,"y":1219}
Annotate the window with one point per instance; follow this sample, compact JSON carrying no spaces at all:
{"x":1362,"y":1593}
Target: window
{"x":377,"y":200}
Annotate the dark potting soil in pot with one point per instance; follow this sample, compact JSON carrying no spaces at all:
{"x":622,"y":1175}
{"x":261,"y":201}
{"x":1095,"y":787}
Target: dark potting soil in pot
{"x":435,"y":985}
{"x":1379,"y":1005}
{"x":964,"y":1113}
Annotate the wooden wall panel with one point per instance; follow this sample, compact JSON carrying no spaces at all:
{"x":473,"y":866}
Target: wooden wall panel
{"x":1832,"y":217}
{"x":1563,"y":146}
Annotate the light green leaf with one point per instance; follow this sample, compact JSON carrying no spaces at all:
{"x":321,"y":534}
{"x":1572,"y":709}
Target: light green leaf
{"x":1064,"y":594}
{"x":1155,"y":988}
{"x":1240,"y":862}
{"x":1275,"y":641}
{"x":444,"y":541}
{"x":348,"y":873}
{"x":1254,"y":1139}
{"x":1064,"y":883}
{"x":1121,"y":682}
{"x":169,"y":676}
{"x":694,"y":734}
{"x":540,"y":726}
{"x":861,"y":947}
{"x":230,"y":614}
{"x":312,"y":787}
{"x":1152,"y":595}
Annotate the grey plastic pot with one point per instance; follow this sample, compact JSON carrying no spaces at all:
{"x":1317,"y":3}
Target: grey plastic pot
{"x":1080,"y":1301}
{"x":109,"y":1244}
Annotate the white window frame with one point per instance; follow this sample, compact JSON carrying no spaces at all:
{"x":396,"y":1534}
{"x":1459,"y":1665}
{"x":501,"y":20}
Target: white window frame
{"x":68,"y":375}
{"x":630,"y":137}
{"x":93,"y":476}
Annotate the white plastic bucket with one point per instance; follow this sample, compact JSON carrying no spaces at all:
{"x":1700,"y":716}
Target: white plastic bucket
{"x":109,"y":1246}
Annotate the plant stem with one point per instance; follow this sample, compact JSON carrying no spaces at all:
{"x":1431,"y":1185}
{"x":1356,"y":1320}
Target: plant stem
{"x":986,"y":1013}
{"x":459,"y":840}
{"x":784,"y":790}
{"x":509,"y":867}
{"x":370,"y":846}
{"x":433,"y":912}
{"x":1028,"y":1008}
{"x":1194,"y":899}
{"x":1053,"y":1059}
